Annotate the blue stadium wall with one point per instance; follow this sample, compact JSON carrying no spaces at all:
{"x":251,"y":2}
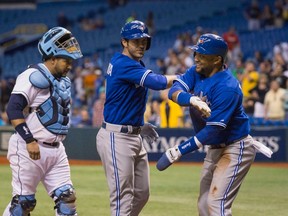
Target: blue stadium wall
{"x":81,"y":143}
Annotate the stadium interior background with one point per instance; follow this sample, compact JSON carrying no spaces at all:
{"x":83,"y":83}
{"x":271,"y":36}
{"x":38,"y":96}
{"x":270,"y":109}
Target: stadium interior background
{"x":258,"y":47}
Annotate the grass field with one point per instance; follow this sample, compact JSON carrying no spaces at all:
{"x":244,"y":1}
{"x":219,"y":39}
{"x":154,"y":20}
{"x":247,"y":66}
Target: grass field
{"x":173,"y":192}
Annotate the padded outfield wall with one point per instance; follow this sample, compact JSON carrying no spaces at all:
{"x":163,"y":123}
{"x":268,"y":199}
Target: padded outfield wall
{"x":81,"y":143}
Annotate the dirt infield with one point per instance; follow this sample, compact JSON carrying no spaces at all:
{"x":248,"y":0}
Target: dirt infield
{"x":3,"y":160}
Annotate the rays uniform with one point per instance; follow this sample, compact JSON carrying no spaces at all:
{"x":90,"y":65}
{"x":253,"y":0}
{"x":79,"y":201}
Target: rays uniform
{"x":39,"y":109}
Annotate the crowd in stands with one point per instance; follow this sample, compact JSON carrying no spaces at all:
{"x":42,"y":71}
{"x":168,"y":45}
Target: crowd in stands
{"x":263,"y":77}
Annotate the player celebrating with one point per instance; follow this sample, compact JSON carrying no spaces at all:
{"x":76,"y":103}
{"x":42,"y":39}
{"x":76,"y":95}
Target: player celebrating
{"x":226,"y":130}
{"x":119,"y":141}
{"x":39,"y":110}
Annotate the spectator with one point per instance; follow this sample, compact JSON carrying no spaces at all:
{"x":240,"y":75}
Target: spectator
{"x":278,"y":74}
{"x":97,"y":61}
{"x":238,"y":70}
{"x":91,"y":23}
{"x":63,"y":21}
{"x":98,"y":84}
{"x":98,"y":108}
{"x":79,"y":92}
{"x":186,"y":59}
{"x":85,"y":118}
{"x":257,"y":58}
{"x":248,"y":105}
{"x":274,"y":102}
{"x":281,"y":49}
{"x":253,"y":16}
{"x":249,"y":78}
{"x":152,"y":113}
{"x":232,"y":39}
{"x":199,"y":31}
{"x":150,"y":23}
{"x":6,"y":89}
{"x":286,"y":101}
{"x":132,"y":17}
{"x":178,"y":43}
{"x":4,"y":119}
{"x":171,"y":114}
{"x":161,"y":66}
{"x":174,"y":65}
{"x":285,"y":11}
{"x":258,"y":94}
{"x":278,"y":13}
{"x":265,"y":67}
{"x":267,"y":17}
{"x":86,"y":24}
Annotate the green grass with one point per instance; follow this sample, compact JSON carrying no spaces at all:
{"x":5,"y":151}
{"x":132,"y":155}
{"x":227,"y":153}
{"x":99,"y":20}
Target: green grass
{"x":173,"y":192}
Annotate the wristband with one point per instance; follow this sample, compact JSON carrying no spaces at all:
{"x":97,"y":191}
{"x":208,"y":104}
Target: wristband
{"x":189,"y":146}
{"x":183,"y":99}
{"x":23,"y":130}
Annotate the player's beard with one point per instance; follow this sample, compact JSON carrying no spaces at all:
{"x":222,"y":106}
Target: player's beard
{"x":60,"y":74}
{"x":203,"y":70}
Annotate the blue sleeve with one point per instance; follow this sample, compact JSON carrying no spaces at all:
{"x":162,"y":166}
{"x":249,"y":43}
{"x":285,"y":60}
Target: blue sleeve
{"x":155,"y":81}
{"x":209,"y":135}
{"x":223,"y":106}
{"x":184,"y":82}
{"x":16,"y":105}
{"x":176,"y":87}
{"x":205,"y":137}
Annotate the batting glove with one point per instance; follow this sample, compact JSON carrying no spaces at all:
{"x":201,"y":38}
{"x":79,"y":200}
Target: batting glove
{"x":170,"y":156}
{"x":201,"y":106}
{"x":149,"y":133}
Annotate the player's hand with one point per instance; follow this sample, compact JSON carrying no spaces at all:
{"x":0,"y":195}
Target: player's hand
{"x":200,"y":106}
{"x":149,"y":133}
{"x":33,"y":150}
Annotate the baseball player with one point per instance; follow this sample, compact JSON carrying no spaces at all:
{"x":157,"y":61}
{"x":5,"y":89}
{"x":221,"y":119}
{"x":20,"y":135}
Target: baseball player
{"x":120,"y":139}
{"x":226,"y":129}
{"x":39,"y":110}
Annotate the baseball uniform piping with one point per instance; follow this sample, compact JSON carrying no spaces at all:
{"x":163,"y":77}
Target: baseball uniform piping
{"x":112,"y":143}
{"x":18,"y":162}
{"x":233,"y":177}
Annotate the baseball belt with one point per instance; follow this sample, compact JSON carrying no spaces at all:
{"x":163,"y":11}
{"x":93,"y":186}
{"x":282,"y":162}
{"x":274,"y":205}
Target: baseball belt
{"x":223,"y":145}
{"x":54,"y":144}
{"x":128,"y":129}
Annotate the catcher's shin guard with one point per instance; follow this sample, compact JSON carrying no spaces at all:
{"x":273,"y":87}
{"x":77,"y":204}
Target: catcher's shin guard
{"x":64,"y":198}
{"x":22,"y":205}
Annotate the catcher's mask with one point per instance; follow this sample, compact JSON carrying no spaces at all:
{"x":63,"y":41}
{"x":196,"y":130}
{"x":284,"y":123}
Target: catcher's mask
{"x":59,"y":42}
{"x":135,"y":30}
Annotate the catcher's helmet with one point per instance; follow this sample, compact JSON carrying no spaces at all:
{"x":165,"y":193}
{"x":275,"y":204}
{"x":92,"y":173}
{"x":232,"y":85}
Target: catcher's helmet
{"x":59,"y":42}
{"x":135,"y":30}
{"x":211,"y":44}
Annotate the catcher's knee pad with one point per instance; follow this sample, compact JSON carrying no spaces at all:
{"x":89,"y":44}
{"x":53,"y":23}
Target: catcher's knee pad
{"x":64,"y":198}
{"x":22,"y":205}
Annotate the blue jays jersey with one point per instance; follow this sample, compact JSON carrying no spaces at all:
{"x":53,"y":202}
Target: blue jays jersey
{"x":126,"y":95}
{"x":223,"y":94}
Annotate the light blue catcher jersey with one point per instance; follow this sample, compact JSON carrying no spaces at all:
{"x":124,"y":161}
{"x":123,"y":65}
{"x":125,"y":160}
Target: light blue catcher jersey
{"x":224,"y":96}
{"x":126,"y":96}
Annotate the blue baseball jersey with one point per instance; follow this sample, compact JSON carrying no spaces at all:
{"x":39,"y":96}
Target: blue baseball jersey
{"x":127,"y":83}
{"x":222,"y":92}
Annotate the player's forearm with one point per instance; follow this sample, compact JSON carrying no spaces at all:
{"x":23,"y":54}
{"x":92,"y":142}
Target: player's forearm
{"x":17,"y":122}
{"x":170,"y":79}
{"x":23,"y":130}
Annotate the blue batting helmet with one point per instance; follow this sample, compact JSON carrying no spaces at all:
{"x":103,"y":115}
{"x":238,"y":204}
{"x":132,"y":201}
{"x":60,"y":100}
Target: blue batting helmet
{"x":59,"y":42}
{"x":211,"y":44}
{"x":135,"y":30}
